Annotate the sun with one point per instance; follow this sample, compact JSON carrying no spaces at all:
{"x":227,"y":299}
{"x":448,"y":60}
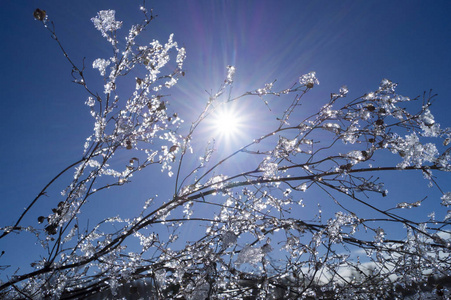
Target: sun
{"x":230,"y":125}
{"x":226,"y":122}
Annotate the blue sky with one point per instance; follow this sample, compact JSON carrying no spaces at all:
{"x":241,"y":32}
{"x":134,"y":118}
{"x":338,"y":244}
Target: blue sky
{"x":355,"y":43}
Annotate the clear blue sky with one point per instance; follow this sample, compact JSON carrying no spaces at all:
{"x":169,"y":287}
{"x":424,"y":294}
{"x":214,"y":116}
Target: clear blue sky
{"x":356,"y":43}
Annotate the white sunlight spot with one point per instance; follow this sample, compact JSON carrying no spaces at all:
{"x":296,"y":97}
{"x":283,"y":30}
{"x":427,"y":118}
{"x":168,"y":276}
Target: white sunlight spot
{"x":230,"y":125}
{"x":226,"y":123}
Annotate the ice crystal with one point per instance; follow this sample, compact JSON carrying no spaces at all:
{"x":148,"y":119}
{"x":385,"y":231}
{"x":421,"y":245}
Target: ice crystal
{"x":108,"y":87}
{"x":334,"y":226}
{"x":429,"y":127}
{"x":370,"y":186}
{"x":287,"y":192}
{"x":387,"y":87}
{"x":249,"y":254}
{"x":328,"y":112}
{"x":268,"y":168}
{"x":285,"y":147}
{"x":344,"y":91}
{"x":101,"y":64}
{"x":146,"y":241}
{"x":160,"y":276}
{"x":428,"y":118}
{"x":217,"y":182}
{"x":170,"y":83}
{"x":99,"y":128}
{"x":105,"y":22}
{"x":309,"y":79}
{"x":448,"y":216}
{"x":230,"y":74}
{"x":380,"y":234}
{"x":187,"y":211}
{"x":200,"y":291}
{"x":408,"y":205}
{"x":188,"y":189}
{"x":446,"y":199}
{"x":355,"y":156}
{"x":265,"y":90}
{"x":302,"y":187}
{"x":181,"y":56}
{"x":333,"y":127}
{"x":90,"y":102}
{"x":413,"y":152}
{"x":229,"y":238}
{"x":351,"y":134}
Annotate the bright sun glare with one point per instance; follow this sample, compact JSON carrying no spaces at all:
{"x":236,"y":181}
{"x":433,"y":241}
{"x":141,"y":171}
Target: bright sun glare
{"x":230,"y":124}
{"x":226,"y":123}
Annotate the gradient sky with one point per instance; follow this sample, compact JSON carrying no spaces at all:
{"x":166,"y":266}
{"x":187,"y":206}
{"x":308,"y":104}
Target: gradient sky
{"x":356,"y":43}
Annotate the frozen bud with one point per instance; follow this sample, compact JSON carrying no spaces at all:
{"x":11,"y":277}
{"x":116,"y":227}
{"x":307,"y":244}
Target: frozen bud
{"x":51,"y":229}
{"x":379,"y":122}
{"x":309,"y":80}
{"x":370,"y":107}
{"x":162,"y":106}
{"x":39,"y":14}
{"x":346,"y":167}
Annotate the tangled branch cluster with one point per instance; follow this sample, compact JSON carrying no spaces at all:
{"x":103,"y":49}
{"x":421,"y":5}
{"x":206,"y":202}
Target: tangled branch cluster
{"x":259,"y":240}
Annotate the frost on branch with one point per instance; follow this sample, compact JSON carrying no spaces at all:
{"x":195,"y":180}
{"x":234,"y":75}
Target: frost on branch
{"x":101,"y":65}
{"x":446,"y":199}
{"x":309,"y":80}
{"x":268,"y":168}
{"x":412,"y":151}
{"x":106,"y":23}
{"x":228,"y":239}
{"x":335,"y":226}
{"x":301,"y":211}
{"x":230,"y":74}
{"x":250,"y":255}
